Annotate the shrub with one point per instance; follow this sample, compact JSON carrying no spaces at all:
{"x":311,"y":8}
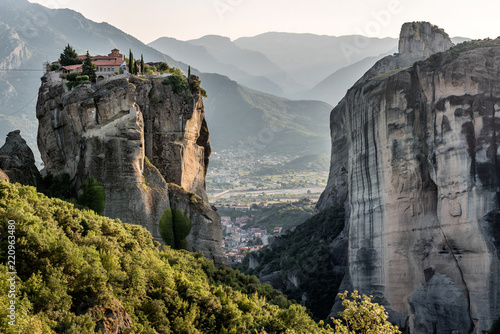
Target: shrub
{"x":54,"y":67}
{"x":71,"y":76}
{"x":178,"y":83}
{"x":164,"y":67}
{"x":93,"y":195}
{"x":82,"y":78}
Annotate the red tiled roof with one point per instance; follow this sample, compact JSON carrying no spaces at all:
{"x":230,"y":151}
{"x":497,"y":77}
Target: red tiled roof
{"x":72,"y":67}
{"x":108,"y":62}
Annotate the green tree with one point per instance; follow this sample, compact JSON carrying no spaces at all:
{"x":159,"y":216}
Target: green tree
{"x":142,"y":64}
{"x":174,"y":228}
{"x":166,"y":228}
{"x":69,"y":56}
{"x":164,"y":67}
{"x":182,"y":227}
{"x":93,"y":195}
{"x":130,"y":62}
{"x":88,"y":67}
{"x":362,"y":316}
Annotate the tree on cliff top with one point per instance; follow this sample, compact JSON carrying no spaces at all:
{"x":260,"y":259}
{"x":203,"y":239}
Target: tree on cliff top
{"x":69,"y":56}
{"x":88,"y":67}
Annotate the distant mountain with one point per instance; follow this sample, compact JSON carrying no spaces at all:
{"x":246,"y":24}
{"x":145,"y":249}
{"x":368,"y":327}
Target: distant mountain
{"x":253,"y":62}
{"x":310,"y":58}
{"x":333,"y":88}
{"x":246,"y":119}
{"x":201,"y":57}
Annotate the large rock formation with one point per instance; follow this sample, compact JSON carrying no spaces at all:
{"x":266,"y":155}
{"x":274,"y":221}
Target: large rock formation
{"x":415,"y":156}
{"x":18,"y":162}
{"x":134,"y":136}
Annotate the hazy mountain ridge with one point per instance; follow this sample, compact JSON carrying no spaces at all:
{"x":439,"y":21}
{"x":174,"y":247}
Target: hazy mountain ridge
{"x":243,"y":118}
{"x":310,"y":58}
{"x":199,"y":57}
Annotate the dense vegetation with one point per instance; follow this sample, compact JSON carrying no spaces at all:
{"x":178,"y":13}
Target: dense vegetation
{"x":305,"y":253}
{"x":76,"y":268}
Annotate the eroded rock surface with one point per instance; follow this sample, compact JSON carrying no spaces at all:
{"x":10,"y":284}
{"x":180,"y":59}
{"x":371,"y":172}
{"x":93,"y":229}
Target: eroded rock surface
{"x":18,"y":162}
{"x":415,"y":161}
{"x":4,"y":177}
{"x":134,"y":136}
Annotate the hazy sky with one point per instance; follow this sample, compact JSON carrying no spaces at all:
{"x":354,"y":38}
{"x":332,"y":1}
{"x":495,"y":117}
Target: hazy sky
{"x":188,"y":19}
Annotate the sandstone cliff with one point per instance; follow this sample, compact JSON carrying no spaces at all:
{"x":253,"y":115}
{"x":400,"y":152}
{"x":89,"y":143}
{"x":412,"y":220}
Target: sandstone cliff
{"x":415,"y":162}
{"x":18,"y":162}
{"x":134,"y":136}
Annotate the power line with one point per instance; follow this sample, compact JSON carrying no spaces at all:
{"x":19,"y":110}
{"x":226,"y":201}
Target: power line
{"x":20,"y":70}
{"x":20,"y":109}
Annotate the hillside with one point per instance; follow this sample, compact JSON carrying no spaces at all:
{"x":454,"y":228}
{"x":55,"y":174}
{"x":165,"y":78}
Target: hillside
{"x":97,"y":273}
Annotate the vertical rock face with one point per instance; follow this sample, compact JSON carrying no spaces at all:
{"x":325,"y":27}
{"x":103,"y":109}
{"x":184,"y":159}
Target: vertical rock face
{"x":415,"y":161}
{"x":18,"y":162}
{"x":419,"y":40}
{"x":134,"y":136}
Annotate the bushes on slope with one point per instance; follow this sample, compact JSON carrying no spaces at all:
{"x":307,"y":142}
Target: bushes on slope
{"x":71,"y":263}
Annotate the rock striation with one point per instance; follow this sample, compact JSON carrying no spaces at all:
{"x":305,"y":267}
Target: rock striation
{"x":135,"y":136}
{"x":415,"y":161}
{"x":18,"y":162}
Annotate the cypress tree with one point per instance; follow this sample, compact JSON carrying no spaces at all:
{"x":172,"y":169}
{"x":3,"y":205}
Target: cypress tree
{"x":142,"y":64}
{"x":130,"y":62}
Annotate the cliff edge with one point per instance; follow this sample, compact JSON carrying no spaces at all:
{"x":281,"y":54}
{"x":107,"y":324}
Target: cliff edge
{"x":135,"y":136}
{"x":415,"y":161}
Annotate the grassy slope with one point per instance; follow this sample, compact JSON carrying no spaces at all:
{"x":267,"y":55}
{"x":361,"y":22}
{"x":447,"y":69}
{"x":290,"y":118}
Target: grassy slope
{"x":70,"y":262}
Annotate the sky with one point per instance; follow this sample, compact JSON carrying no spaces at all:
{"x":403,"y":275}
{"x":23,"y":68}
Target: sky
{"x":148,"y":20}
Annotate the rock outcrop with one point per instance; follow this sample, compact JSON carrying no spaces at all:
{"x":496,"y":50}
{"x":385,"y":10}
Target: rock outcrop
{"x":135,"y":136}
{"x":4,"y":177}
{"x":18,"y":162}
{"x":415,"y":161}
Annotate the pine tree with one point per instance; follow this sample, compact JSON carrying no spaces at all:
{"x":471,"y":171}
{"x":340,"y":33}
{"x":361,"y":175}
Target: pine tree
{"x":88,"y":67}
{"x":142,"y":64}
{"x":69,"y":56}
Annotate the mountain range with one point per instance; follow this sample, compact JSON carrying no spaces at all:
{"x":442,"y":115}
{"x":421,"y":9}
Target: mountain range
{"x":257,"y":86}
